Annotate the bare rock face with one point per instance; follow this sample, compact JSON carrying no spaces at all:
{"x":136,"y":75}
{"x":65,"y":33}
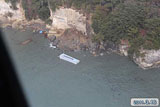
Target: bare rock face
{"x":65,"y":18}
{"x":16,"y":18}
{"x":123,"y":49}
{"x":149,"y":59}
{"x":74,"y":40}
{"x":9,"y":14}
{"x":70,"y":28}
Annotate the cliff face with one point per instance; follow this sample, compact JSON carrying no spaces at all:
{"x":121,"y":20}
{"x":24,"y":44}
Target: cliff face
{"x":123,"y":49}
{"x":16,"y":18}
{"x":149,"y":59}
{"x":62,"y":18}
{"x":7,"y":14}
{"x":68,"y":25}
{"x":71,"y":29}
{"x":74,"y":40}
{"x":66,"y":18}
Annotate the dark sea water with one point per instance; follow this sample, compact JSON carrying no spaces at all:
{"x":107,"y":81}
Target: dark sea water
{"x":104,"y":81}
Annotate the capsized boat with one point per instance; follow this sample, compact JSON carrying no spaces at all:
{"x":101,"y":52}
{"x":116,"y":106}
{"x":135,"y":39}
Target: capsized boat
{"x":69,"y":58}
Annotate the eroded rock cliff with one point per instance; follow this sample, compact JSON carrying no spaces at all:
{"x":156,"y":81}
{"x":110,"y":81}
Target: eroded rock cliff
{"x":66,"y":18}
{"x":8,"y":15}
{"x":7,"y":12}
{"x":16,"y":18}
{"x":148,"y":59}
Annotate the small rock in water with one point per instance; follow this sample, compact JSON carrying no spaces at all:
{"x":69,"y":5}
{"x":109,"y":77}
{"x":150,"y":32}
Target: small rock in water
{"x":94,"y":53}
{"x":101,"y":54}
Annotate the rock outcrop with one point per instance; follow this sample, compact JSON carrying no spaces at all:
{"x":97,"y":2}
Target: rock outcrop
{"x":16,"y":18}
{"x":66,"y":18}
{"x":123,"y":49}
{"x":71,"y":29}
{"x":148,"y":59}
{"x":8,"y":16}
{"x":7,"y":12}
{"x":74,"y":40}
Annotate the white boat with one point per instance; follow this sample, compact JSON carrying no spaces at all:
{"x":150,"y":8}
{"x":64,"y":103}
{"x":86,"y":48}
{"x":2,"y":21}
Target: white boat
{"x":69,"y":58}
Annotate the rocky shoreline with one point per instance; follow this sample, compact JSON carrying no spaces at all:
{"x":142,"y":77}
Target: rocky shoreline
{"x":147,"y":59}
{"x":72,"y":31}
{"x":68,"y":42}
{"x":151,"y":59}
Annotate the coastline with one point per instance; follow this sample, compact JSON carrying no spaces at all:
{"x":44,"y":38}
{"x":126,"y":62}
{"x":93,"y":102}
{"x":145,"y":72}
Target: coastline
{"x":67,"y":41}
{"x":95,"y":52}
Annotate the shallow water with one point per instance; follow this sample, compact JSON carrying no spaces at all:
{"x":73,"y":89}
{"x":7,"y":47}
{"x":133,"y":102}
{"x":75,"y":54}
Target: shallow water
{"x":104,"y":81}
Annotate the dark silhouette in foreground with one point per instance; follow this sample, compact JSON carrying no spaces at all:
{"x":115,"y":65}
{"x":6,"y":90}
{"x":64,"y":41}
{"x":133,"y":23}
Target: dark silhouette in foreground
{"x":11,"y":93}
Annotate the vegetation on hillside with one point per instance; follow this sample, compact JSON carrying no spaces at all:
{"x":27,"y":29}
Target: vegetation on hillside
{"x":36,"y":9}
{"x":135,"y":21}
